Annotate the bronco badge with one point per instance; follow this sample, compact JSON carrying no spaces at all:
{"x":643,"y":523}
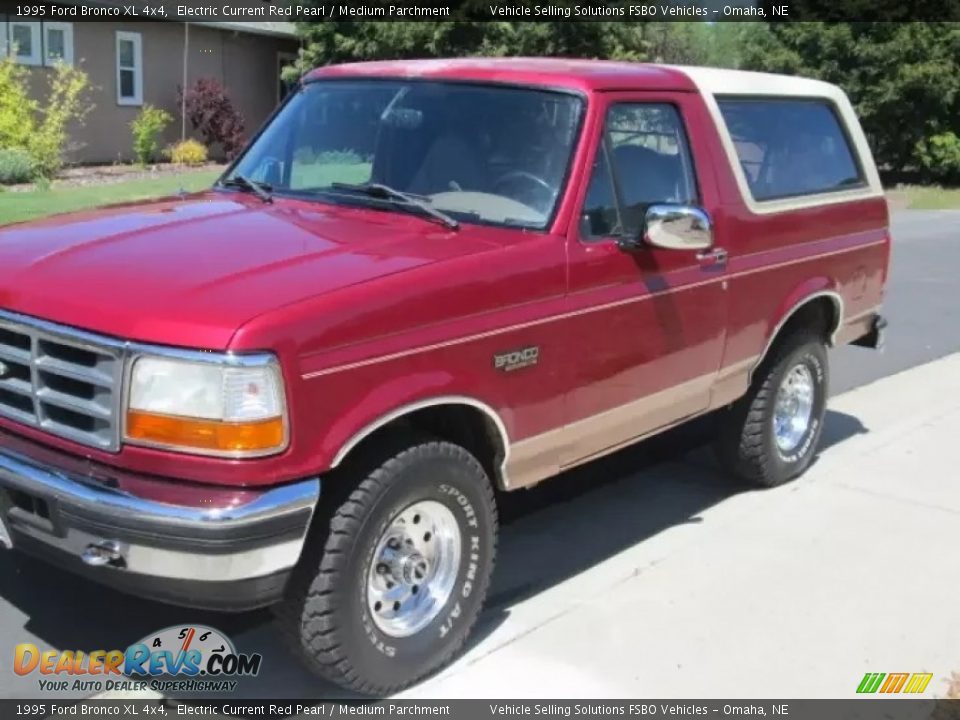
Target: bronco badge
{"x":516,"y":359}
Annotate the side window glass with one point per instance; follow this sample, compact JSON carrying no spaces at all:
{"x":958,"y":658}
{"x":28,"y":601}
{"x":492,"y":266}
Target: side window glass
{"x":601,"y":214}
{"x":651,"y":159}
{"x":790,"y":147}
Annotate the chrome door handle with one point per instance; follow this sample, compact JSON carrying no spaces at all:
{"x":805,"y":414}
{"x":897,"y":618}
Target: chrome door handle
{"x":716,"y":256}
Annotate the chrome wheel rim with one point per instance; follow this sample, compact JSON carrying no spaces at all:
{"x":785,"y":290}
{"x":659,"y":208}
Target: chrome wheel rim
{"x":793,"y":409}
{"x":414,"y":568}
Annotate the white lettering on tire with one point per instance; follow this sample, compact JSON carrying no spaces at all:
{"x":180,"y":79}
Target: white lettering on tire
{"x":472,"y":567}
{"x":388,"y":650}
{"x":447,"y":624}
{"x":464,"y":502}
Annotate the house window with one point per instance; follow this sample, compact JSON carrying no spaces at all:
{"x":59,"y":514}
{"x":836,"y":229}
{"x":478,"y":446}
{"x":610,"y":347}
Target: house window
{"x":57,"y":43}
{"x":129,"y":69}
{"x":24,"y":39}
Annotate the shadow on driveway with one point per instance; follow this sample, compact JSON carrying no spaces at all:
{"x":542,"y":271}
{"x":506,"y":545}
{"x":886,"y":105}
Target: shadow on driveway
{"x":549,"y":534}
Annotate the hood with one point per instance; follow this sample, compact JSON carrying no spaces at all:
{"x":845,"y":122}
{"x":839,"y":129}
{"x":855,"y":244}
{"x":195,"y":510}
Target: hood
{"x":193,"y":270}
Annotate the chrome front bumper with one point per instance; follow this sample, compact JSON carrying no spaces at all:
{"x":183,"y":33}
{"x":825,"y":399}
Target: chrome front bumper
{"x":229,"y":557}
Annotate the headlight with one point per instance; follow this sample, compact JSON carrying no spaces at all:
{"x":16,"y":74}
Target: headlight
{"x":233,"y":410}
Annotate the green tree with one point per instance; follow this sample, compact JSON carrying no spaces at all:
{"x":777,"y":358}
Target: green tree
{"x":903,"y":78}
{"x":667,"y":42}
{"x":347,"y":41}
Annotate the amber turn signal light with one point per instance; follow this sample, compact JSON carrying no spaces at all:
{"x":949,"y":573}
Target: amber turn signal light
{"x":211,"y":436}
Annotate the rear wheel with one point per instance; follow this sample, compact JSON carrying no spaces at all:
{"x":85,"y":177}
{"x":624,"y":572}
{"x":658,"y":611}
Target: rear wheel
{"x":400,"y":581}
{"x":770,"y":435}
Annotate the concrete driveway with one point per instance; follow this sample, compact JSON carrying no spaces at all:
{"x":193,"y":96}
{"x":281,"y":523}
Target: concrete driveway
{"x":646,"y":574}
{"x":680,"y":589}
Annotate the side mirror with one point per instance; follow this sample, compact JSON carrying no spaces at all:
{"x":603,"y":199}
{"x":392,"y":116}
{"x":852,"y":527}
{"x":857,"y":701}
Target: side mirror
{"x":678,"y":227}
{"x":674,"y":227}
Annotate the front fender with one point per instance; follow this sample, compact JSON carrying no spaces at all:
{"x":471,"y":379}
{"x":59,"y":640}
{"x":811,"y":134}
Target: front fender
{"x":399,"y":396}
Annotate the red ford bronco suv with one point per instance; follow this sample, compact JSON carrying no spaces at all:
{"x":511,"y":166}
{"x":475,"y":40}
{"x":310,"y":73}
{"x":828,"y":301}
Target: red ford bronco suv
{"x":422,"y":283}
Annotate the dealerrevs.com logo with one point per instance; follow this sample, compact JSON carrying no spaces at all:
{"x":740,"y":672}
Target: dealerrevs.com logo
{"x":181,"y":658}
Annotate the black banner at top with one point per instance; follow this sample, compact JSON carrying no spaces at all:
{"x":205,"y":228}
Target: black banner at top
{"x":289,"y":11}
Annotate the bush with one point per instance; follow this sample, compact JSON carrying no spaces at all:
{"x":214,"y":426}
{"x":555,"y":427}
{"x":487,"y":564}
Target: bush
{"x":41,"y":130}
{"x":66,"y":105}
{"x":17,"y":110}
{"x":188,"y":152}
{"x":340,"y":157}
{"x":939,"y":157}
{"x":304,"y":156}
{"x":147,"y":128}
{"x":16,"y":166}
{"x":213,"y":115}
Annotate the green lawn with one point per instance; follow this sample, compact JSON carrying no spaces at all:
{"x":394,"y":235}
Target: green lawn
{"x":918,"y":197}
{"x":16,"y":206}
{"x":306,"y":176}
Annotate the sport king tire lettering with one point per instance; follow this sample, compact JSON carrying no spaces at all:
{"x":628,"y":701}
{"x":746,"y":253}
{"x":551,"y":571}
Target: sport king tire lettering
{"x":463,"y":502}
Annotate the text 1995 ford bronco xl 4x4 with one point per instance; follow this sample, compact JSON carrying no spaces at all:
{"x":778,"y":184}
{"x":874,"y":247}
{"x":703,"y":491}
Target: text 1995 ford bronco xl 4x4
{"x":421,"y":283}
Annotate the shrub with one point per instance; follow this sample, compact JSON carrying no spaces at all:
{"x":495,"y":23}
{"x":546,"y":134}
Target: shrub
{"x":16,"y":166}
{"x":41,"y":130}
{"x":147,"y":128}
{"x":304,"y":156}
{"x":17,"y":110}
{"x":212,"y":114}
{"x":188,"y":152}
{"x":939,"y":156}
{"x":66,"y":105}
{"x":340,"y":157}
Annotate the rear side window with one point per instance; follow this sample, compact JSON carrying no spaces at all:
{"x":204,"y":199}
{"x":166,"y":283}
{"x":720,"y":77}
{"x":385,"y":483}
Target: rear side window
{"x":790,"y":147}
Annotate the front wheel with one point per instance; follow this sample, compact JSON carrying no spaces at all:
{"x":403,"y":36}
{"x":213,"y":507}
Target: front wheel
{"x":403,"y":574}
{"x":770,"y":435}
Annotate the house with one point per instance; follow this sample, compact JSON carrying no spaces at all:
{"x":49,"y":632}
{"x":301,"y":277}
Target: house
{"x":131,"y":64}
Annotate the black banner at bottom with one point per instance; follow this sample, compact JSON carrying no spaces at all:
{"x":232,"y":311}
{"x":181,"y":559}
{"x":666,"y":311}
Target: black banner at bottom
{"x":894,"y":708}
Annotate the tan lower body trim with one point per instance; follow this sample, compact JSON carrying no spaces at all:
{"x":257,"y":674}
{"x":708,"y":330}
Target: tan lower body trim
{"x":542,"y":456}
{"x":545,"y":455}
{"x":732,"y":382}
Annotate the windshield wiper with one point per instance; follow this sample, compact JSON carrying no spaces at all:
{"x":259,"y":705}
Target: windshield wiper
{"x":385,"y":192}
{"x":261,"y":190}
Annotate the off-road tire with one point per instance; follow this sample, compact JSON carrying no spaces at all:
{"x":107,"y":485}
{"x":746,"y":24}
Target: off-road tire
{"x":745,"y":442}
{"x":325,"y":616}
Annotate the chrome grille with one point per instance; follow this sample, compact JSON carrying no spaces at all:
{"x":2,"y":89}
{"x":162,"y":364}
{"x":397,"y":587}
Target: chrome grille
{"x":60,"y":380}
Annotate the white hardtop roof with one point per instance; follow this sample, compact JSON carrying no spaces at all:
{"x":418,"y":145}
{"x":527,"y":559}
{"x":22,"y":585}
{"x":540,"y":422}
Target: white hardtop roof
{"x":720,"y":81}
{"x":713,"y":82}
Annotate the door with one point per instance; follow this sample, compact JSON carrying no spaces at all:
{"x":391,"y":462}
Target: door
{"x":648,"y":324}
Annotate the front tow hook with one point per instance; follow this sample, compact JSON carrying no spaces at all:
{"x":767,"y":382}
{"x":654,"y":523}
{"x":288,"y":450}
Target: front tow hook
{"x":105,"y":552}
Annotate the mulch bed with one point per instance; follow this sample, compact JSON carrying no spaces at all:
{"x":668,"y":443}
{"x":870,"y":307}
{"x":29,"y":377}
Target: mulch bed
{"x":110,"y":174}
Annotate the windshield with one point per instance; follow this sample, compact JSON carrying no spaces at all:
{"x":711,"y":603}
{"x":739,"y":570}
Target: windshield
{"x":478,"y":153}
